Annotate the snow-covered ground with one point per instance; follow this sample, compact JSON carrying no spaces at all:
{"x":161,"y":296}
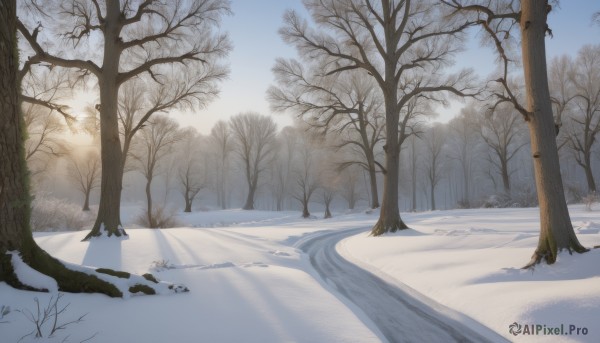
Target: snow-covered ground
{"x":250,"y":283}
{"x":470,"y":260}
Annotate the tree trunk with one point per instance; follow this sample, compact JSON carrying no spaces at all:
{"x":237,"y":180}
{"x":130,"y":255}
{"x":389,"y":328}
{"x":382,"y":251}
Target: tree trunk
{"x":327,"y":212}
{"x":86,"y":203}
{"x":305,"y":213}
{"x":224,"y":186}
{"x":432,"y":195}
{"x":109,"y":209}
{"x":389,"y":216}
{"x":14,"y":187}
{"x":374,"y":192}
{"x":414,"y":177}
{"x":589,"y":175}
{"x":505,"y":176}
{"x":188,"y":201}
{"x":151,"y":223}
{"x":252,"y":183}
{"x":556,"y":232}
{"x":466,"y":188}
{"x":249,"y":205}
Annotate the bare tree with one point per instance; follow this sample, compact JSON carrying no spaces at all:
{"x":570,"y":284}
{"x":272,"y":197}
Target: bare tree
{"x":328,"y":196}
{"x":348,"y":105}
{"x":281,"y":165}
{"x":503,"y":133}
{"x":85,"y":173}
{"x":463,"y":139}
{"x":585,"y":117}
{"x":220,"y":138}
{"x":434,"y":143}
{"x":156,"y":40}
{"x":16,"y":240}
{"x":44,"y":89}
{"x":498,"y":19}
{"x":192,"y":167}
{"x":561,"y":92}
{"x":254,"y":135}
{"x":349,"y":186}
{"x":403,"y":45}
{"x":329,"y":180}
{"x":155,"y":143}
{"x":306,"y":171}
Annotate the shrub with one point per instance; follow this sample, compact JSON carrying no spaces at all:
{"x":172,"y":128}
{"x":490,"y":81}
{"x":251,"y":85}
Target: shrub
{"x":526,"y":197}
{"x":53,"y":214}
{"x":501,"y":200}
{"x":589,"y":200}
{"x":47,"y":321}
{"x":161,"y":219}
{"x":574,"y":193}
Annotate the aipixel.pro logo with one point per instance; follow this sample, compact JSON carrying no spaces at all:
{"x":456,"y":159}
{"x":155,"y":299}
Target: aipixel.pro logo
{"x":516,"y":329}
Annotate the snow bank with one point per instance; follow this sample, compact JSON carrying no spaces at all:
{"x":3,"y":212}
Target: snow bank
{"x":470,"y":260}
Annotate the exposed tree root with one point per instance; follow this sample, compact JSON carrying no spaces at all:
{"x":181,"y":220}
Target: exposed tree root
{"x":382,"y":227}
{"x":100,"y":280}
{"x":99,"y":231}
{"x":68,"y":280}
{"x":549,"y":252}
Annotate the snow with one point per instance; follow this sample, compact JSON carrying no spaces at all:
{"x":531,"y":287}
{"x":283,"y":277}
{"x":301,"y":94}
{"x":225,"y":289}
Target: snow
{"x":249,"y":282}
{"x":470,"y":261}
{"x":31,"y":277}
{"x":246,"y":284}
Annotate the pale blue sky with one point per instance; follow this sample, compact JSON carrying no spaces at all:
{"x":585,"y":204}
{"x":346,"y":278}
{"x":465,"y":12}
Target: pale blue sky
{"x":253,"y":30}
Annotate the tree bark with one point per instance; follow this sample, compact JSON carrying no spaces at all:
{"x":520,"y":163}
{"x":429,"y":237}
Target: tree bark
{"x":556,"y":232}
{"x":109,"y":209}
{"x":389,"y":216}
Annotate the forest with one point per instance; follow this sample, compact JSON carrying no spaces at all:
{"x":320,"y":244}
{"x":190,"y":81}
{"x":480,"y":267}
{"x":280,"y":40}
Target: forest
{"x":370,"y":152}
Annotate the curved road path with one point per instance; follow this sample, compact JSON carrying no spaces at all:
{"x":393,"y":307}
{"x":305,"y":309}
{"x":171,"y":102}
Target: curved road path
{"x":398,"y":315}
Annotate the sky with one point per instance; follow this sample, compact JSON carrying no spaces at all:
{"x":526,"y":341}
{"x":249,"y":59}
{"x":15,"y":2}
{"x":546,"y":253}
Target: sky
{"x":253,"y":30}
{"x":256,"y":44}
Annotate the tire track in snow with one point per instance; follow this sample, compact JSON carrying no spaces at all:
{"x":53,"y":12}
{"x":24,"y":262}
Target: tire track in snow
{"x":398,"y":315}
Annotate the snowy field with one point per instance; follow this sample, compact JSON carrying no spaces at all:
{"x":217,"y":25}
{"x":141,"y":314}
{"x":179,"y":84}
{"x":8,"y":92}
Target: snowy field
{"x":250,"y":283}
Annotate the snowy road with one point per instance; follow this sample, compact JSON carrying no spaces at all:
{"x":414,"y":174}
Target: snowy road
{"x":398,"y":314}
